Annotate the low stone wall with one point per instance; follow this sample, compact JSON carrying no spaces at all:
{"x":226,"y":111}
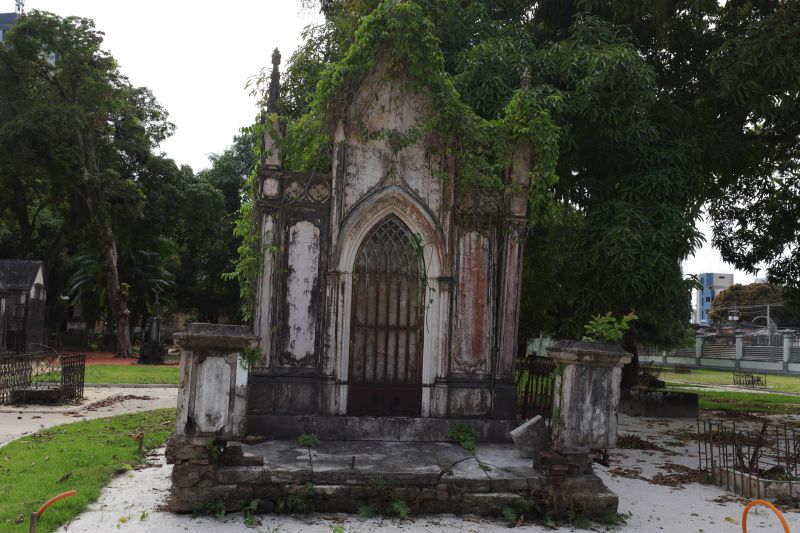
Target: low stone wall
{"x":659,"y":403}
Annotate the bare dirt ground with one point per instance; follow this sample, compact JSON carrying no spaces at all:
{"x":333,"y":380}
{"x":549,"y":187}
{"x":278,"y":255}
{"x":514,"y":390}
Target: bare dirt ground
{"x":657,"y":486}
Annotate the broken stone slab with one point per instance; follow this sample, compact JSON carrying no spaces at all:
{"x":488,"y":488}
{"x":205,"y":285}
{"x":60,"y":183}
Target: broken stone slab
{"x":531,"y":437}
{"x":556,"y":465}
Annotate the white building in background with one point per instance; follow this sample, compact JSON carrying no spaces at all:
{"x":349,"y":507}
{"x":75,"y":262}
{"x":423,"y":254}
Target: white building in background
{"x":713,"y":284}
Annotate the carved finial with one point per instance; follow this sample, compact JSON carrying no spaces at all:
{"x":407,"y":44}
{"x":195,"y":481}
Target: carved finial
{"x":525,"y":82}
{"x":274,"y":83}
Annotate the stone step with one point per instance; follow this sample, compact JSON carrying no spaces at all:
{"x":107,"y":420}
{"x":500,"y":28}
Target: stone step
{"x":358,"y":428}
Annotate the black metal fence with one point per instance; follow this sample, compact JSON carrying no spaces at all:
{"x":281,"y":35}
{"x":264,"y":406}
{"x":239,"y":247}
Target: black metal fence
{"x":535,"y":378}
{"x":753,"y":458}
{"x":41,"y":378}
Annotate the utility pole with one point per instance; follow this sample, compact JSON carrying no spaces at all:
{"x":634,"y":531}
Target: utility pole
{"x":20,"y":7}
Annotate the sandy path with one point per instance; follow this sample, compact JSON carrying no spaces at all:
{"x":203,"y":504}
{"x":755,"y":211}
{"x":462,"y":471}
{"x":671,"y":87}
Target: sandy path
{"x":17,"y":421}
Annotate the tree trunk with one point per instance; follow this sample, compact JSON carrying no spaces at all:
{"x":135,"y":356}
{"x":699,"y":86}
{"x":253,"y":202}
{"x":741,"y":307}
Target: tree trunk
{"x":630,"y":372}
{"x":117,"y":293}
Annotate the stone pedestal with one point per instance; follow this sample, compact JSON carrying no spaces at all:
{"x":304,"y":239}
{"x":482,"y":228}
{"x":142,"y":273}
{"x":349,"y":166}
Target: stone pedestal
{"x":586,"y":395}
{"x":153,"y":353}
{"x":213,"y":391}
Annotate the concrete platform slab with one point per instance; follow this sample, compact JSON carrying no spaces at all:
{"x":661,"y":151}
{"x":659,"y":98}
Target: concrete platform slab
{"x":341,"y":476}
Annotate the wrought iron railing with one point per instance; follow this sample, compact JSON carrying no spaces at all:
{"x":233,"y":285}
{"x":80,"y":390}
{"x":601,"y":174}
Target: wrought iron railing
{"x":753,"y":458}
{"x":41,"y":378}
{"x":535,"y":378}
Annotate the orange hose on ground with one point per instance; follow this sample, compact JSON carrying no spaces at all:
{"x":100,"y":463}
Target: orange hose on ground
{"x":765,"y":504}
{"x":53,"y":500}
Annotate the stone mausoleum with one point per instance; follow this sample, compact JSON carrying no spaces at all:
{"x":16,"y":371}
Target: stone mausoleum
{"x":392,"y":292}
{"x":386,"y":316}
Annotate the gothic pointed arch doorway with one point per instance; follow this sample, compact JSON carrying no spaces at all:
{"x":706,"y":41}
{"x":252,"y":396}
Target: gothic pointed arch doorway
{"x":387,"y":317}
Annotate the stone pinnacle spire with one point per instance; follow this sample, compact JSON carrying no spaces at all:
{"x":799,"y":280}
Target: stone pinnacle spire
{"x":274,"y":83}
{"x":525,"y":81}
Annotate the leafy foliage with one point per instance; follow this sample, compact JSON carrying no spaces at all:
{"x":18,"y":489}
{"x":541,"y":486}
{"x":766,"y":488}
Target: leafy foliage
{"x":309,"y":440}
{"x":90,"y":195}
{"x":608,"y":328}
{"x":463,"y":435}
{"x":396,"y":40}
{"x":751,"y":300}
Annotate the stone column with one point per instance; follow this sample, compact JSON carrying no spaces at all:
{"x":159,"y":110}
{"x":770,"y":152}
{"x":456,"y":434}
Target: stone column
{"x":586,"y":395}
{"x":787,"y":350}
{"x":206,"y":448}
{"x":739,"y":350}
{"x":698,"y":348}
{"x":504,"y":401}
{"x":212,"y":398}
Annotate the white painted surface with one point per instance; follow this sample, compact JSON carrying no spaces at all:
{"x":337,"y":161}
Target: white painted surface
{"x":390,"y":105}
{"x":184,"y":392}
{"x":238,"y":422}
{"x":263,"y":316}
{"x":303,"y":258}
{"x":212,"y":394}
{"x":270,"y":188}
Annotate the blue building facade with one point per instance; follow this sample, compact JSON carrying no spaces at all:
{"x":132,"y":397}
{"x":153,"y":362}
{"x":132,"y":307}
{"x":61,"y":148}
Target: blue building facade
{"x":713,"y":283}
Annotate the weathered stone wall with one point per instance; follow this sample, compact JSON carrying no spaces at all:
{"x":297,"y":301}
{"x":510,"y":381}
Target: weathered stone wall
{"x":317,"y":224}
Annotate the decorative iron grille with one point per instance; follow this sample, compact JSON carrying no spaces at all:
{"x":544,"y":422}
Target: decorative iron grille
{"x":535,"y":379}
{"x":387,"y":318}
{"x":753,"y":458}
{"x":41,"y":378}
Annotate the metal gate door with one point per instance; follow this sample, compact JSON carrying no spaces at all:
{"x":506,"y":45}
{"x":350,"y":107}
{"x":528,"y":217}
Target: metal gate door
{"x":385,"y":377}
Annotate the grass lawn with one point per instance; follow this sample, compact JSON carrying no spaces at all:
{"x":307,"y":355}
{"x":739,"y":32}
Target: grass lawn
{"x":746,"y":402}
{"x":143,"y":374}
{"x":82,"y":456}
{"x":780,"y":383}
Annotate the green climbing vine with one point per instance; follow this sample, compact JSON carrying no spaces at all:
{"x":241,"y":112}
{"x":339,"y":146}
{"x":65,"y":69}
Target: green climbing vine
{"x":252,"y":249}
{"x":397,"y":42}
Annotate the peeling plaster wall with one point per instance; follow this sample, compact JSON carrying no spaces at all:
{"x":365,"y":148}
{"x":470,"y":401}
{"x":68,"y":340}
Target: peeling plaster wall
{"x":303,"y":260}
{"x":306,"y":296}
{"x":473,"y":324}
{"x":263,"y":316}
{"x":385,"y":106}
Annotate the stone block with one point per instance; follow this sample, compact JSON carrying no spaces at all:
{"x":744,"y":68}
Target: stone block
{"x":531,"y":437}
{"x":180,"y":449}
{"x":187,"y":475}
{"x":186,"y":500}
{"x":508,"y":484}
{"x":491,"y":502}
{"x":242,"y":475}
{"x":294,"y":475}
{"x":468,"y":484}
{"x":554,"y":464}
{"x":654,"y":403}
{"x":332,"y":491}
{"x":233,"y":455}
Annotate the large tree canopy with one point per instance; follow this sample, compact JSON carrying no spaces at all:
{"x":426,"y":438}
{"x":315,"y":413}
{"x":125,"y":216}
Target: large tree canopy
{"x":751,"y":302}
{"x":86,"y":190}
{"x":662,"y":107}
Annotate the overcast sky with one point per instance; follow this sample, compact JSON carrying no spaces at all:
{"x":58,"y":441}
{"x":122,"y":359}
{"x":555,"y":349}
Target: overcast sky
{"x":196,"y":57}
